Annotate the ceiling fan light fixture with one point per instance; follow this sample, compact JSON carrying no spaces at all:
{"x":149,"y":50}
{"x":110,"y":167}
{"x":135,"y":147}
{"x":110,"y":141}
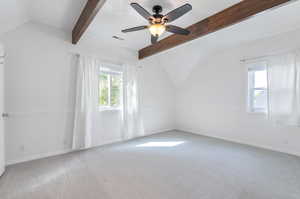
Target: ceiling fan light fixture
{"x":157,"y":29}
{"x":159,"y":23}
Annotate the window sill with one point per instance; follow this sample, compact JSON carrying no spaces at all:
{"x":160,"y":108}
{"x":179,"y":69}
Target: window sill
{"x":258,"y":113}
{"x":104,"y":109}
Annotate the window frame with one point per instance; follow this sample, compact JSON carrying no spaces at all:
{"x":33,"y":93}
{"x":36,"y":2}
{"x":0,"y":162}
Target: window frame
{"x":110,"y":73}
{"x":258,"y":65}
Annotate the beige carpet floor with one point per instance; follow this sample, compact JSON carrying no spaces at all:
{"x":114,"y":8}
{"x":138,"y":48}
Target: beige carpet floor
{"x":171,"y":165}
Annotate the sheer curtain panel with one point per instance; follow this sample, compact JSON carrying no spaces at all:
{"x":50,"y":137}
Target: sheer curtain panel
{"x":284,"y":89}
{"x":132,"y":119}
{"x":86,"y":108}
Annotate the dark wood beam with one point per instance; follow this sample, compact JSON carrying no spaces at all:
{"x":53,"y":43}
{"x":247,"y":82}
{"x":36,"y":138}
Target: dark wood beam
{"x":89,"y":12}
{"x":232,"y":15}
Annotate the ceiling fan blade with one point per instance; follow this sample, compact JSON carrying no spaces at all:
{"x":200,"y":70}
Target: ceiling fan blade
{"x":134,"y":29}
{"x":177,"y":30}
{"x":175,"y":14}
{"x":154,"y":39}
{"x":144,"y":13}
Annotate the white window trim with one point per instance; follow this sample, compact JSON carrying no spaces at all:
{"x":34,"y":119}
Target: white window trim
{"x":249,"y":65}
{"x":110,"y":72}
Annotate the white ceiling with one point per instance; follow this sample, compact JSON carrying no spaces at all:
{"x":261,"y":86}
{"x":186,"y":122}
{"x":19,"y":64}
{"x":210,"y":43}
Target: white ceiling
{"x":117,"y":15}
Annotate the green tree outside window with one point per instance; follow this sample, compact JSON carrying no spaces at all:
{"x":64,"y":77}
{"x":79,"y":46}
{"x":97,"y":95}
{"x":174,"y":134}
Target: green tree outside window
{"x":110,"y":89}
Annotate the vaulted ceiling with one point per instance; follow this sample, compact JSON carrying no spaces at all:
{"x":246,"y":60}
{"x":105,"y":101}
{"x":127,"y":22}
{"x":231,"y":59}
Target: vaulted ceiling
{"x":112,"y":18}
{"x":117,"y":15}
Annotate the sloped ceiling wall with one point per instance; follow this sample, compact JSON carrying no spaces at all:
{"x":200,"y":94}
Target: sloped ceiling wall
{"x":180,"y":61}
{"x":61,"y":14}
{"x":13,"y":13}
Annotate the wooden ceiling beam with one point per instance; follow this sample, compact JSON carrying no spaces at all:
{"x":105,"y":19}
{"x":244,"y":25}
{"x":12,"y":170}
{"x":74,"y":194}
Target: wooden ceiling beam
{"x":230,"y":16}
{"x":89,"y":12}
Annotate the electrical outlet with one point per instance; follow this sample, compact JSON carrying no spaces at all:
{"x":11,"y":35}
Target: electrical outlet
{"x":286,"y":142}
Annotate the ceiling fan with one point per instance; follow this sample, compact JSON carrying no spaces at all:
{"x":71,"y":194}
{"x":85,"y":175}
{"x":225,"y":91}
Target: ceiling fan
{"x":158,"y":22}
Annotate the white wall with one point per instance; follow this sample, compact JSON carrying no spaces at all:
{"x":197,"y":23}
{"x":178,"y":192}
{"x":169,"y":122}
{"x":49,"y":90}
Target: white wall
{"x":40,"y":85}
{"x":2,"y":147}
{"x":157,"y":97}
{"x":212,"y":101}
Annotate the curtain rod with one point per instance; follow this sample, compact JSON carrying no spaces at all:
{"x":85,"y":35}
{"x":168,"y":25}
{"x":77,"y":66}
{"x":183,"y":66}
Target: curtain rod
{"x":103,"y":61}
{"x":269,"y":55}
{"x":254,"y":58}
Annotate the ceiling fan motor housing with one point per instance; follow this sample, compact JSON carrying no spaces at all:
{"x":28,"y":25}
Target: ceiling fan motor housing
{"x":157,"y":9}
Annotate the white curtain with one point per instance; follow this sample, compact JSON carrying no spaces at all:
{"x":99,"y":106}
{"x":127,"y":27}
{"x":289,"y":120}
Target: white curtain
{"x":132,"y":119}
{"x":87,"y":95}
{"x":284,"y":89}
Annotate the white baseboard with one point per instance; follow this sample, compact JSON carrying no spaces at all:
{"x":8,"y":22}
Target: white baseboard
{"x":39,"y":156}
{"x":159,"y":131}
{"x":202,"y":133}
{"x":61,"y":152}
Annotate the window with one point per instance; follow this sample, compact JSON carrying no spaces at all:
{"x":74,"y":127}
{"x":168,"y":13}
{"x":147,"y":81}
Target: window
{"x":257,"y":88}
{"x":110,"y":89}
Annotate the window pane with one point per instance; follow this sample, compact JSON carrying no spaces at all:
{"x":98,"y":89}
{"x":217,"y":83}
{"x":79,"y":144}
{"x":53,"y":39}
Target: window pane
{"x":258,"y":87}
{"x":260,"y":100}
{"x":116,"y":85}
{"x":103,"y":89}
{"x":260,"y":79}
